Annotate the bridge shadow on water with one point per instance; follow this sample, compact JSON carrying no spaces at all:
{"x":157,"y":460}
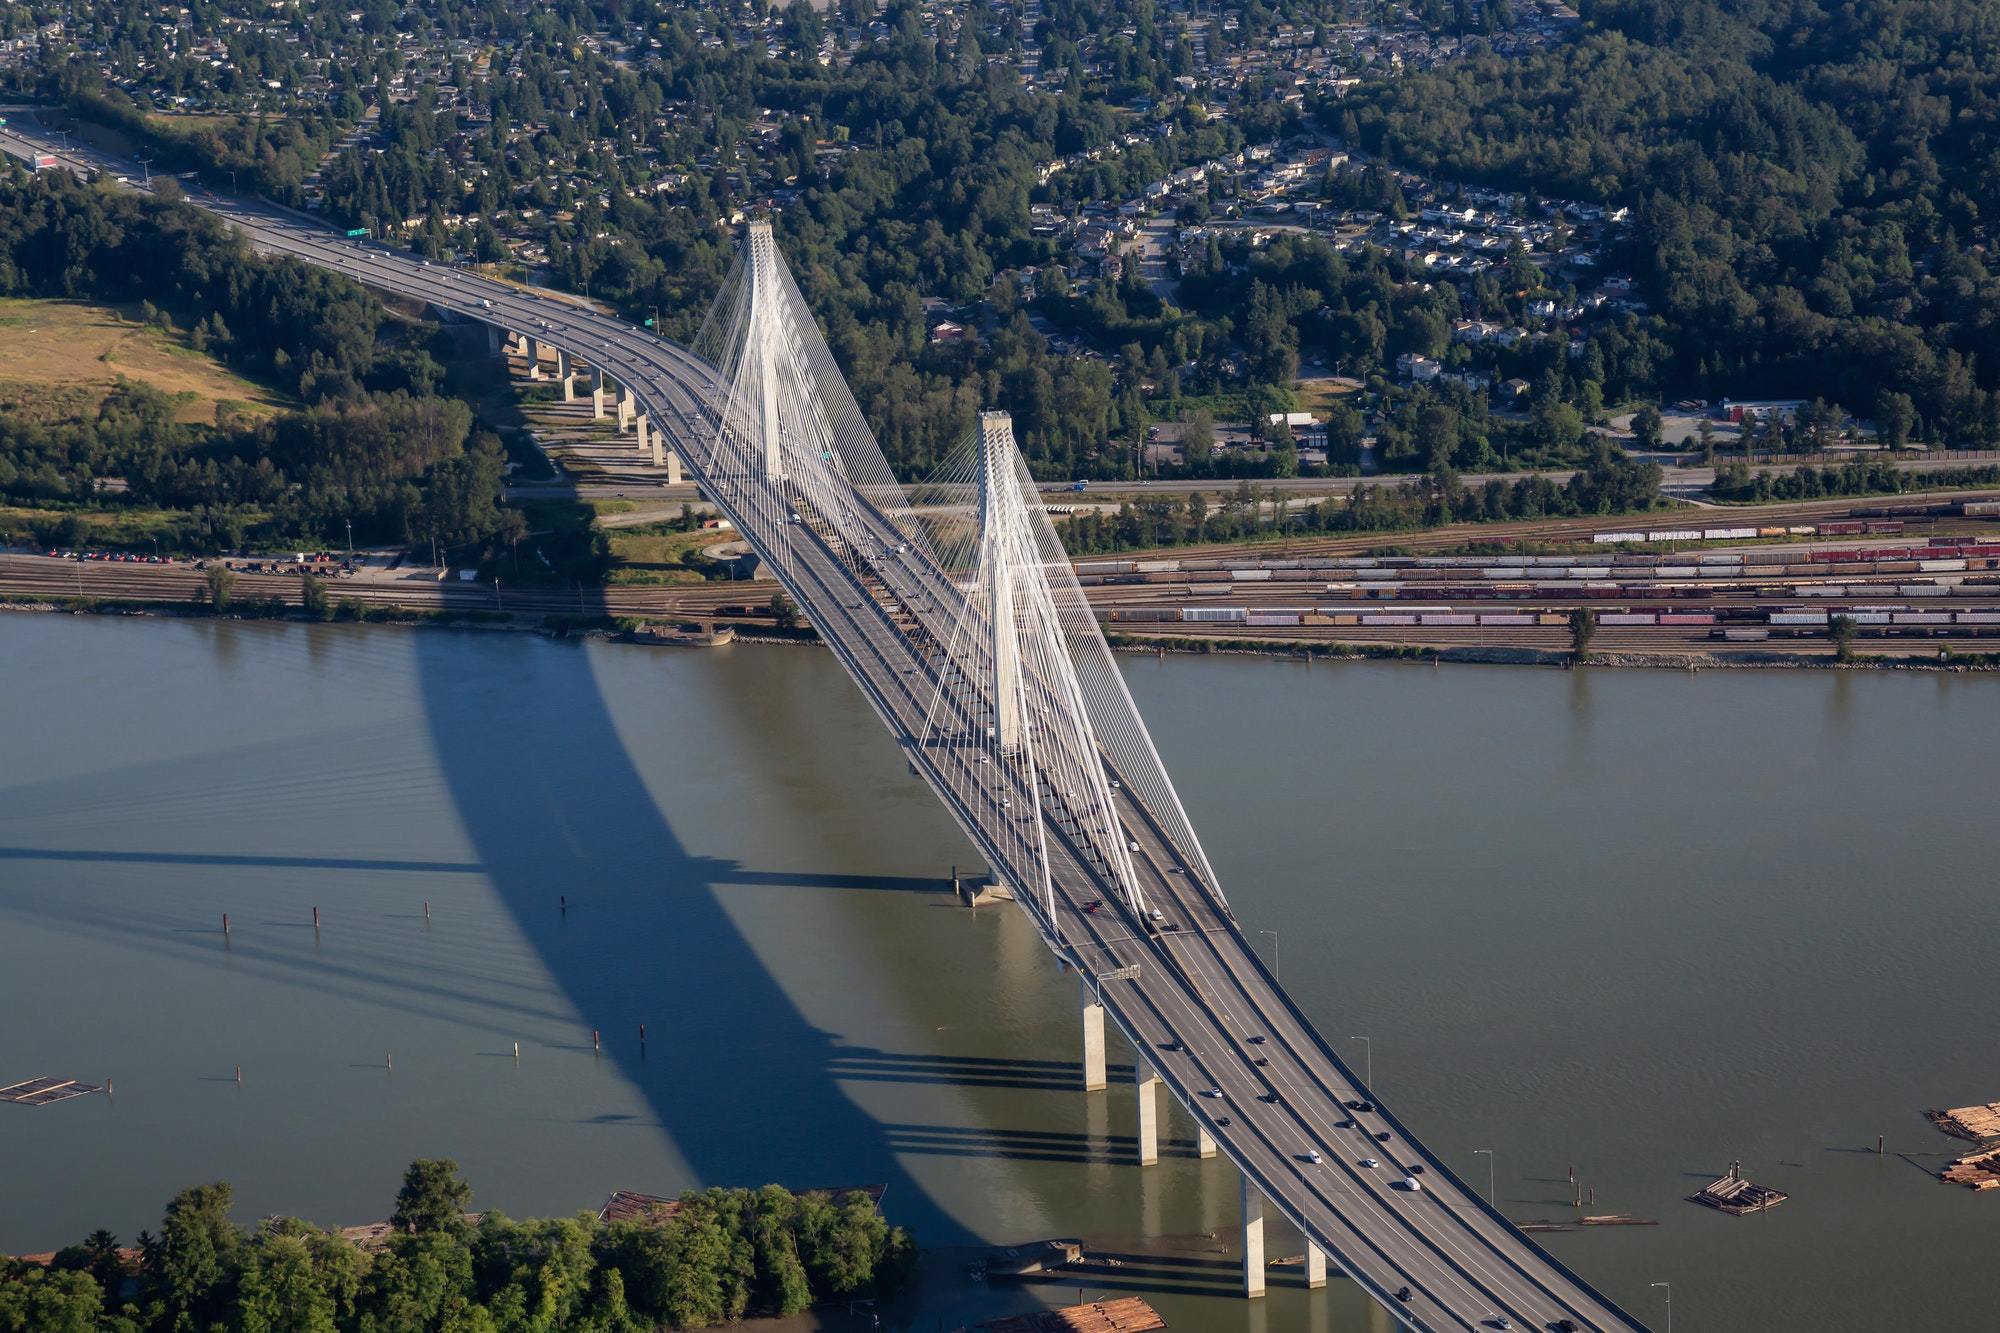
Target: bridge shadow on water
{"x":739,"y":1079}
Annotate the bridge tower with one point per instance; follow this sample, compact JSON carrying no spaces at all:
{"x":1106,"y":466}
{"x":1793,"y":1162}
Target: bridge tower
{"x":765,"y":340}
{"x":999,"y":503}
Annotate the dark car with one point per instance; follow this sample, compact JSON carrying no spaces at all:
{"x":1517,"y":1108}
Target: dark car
{"x":1383,"y":1136}
{"x":1403,"y":1294}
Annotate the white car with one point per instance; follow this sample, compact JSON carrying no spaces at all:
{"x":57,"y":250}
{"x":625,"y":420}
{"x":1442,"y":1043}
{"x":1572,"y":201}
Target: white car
{"x":1368,"y":1162}
{"x":1213,"y":1092}
{"x":1412,"y":1184}
{"x":1312,"y":1155}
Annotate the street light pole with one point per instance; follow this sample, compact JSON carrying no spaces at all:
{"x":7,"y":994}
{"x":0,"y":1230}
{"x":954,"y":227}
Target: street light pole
{"x":1369,"y":1047}
{"x":350,"y":541}
{"x":1277,"y":972}
{"x":1670,"y":1304}
{"x":1491,"y":1201}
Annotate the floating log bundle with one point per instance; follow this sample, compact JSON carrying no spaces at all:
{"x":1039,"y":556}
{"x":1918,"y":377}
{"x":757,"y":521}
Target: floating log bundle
{"x":1980,"y":1171}
{"x":1735,"y":1195}
{"x":1974,"y":1124}
{"x":1127,"y":1314}
{"x":42,"y":1091}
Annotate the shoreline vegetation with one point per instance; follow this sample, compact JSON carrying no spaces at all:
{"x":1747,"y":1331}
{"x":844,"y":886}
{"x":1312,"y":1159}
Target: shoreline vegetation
{"x":626,"y":629}
{"x":712,"y":1257}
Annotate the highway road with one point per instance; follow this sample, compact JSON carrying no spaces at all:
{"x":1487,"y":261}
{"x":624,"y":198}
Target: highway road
{"x":1225,"y":1038}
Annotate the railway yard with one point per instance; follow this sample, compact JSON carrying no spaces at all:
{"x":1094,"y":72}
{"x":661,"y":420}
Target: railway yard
{"x":1912,"y":576}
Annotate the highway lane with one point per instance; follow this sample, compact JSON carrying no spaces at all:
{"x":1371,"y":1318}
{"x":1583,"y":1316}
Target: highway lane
{"x":1465,"y":1265}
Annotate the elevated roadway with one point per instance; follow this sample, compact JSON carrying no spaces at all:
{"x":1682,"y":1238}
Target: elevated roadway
{"x":1190,"y":994}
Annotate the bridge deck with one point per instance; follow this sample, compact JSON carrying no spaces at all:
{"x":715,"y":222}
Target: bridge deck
{"x":1201,"y":993}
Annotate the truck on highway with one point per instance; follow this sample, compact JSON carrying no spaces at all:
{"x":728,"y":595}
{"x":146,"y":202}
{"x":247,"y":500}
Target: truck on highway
{"x":43,"y":161}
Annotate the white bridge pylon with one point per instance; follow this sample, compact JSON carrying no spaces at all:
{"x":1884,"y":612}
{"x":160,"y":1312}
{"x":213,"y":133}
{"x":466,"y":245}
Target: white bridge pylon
{"x":969,"y":569}
{"x":1008,"y":689}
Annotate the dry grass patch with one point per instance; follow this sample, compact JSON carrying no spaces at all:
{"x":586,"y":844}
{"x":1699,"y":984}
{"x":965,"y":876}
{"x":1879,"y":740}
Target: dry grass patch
{"x":72,"y":354}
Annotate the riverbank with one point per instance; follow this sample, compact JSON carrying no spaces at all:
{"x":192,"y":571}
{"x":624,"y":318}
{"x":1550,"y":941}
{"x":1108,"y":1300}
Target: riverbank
{"x":1328,"y":651}
{"x":634,"y":630}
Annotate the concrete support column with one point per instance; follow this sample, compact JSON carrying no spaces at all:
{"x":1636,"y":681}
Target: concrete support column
{"x":624,"y":412}
{"x":1315,"y":1265}
{"x":597,"y":376}
{"x":597,"y":403}
{"x":1204,"y":1141}
{"x":1093,"y":1043}
{"x":569,"y":388}
{"x":563,"y":367}
{"x":642,"y":425}
{"x":534,"y":355}
{"x":493,"y":339}
{"x":1253,"y":1240}
{"x":1148,"y":1085}
{"x":660,"y":452}
{"x":673,"y":468}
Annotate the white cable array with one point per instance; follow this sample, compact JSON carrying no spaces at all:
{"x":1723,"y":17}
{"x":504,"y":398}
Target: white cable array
{"x":788,"y":445}
{"x":1010,"y":691}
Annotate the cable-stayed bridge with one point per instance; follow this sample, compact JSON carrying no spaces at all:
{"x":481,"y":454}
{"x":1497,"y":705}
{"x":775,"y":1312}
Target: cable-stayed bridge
{"x":952,"y":607}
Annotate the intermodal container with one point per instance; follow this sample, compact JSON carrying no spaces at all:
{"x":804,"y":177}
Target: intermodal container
{"x":1514,"y":619}
{"x":1940,"y":566}
{"x":1259,"y":619}
{"x":1449,"y":620}
{"x":1388,"y":620}
{"x":1617,"y":619}
{"x":1688,"y":618}
{"x":1798,"y":617}
{"x":1922,"y":617}
{"x":1842,"y":528}
{"x":1250,"y":575}
{"x":1979,"y":617}
{"x":1212,"y":613}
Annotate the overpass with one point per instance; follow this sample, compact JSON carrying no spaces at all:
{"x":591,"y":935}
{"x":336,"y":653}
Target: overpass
{"x":950,"y":604}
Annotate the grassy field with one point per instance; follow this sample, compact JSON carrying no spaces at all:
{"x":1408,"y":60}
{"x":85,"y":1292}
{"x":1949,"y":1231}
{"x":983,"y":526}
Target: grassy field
{"x":655,"y":553}
{"x":67,"y":355}
{"x":1318,"y":396}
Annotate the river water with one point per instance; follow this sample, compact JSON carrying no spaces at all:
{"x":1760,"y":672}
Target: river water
{"x":1635,"y":924}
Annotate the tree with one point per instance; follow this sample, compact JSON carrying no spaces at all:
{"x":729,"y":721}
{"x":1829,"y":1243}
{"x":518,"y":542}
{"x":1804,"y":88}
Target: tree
{"x":221,"y":582}
{"x":1198,"y":439}
{"x":312,"y":591}
{"x":433,"y":1198}
{"x":1842,"y":629}
{"x":782,"y":610}
{"x":1582,"y":629}
{"x":1646,"y":424}
{"x":198,"y":1251}
{"x":1895,"y":415}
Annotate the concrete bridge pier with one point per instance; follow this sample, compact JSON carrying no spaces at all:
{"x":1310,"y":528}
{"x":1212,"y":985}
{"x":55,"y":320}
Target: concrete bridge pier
{"x":625,"y":412}
{"x":1093,"y":1043}
{"x":673,"y":467}
{"x":1253,"y":1241}
{"x":1315,"y":1265}
{"x":534,"y":355}
{"x":644,"y":432}
{"x":495,"y":337}
{"x":597,"y":403}
{"x":1204,"y":1141}
{"x":1148,"y":1084}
